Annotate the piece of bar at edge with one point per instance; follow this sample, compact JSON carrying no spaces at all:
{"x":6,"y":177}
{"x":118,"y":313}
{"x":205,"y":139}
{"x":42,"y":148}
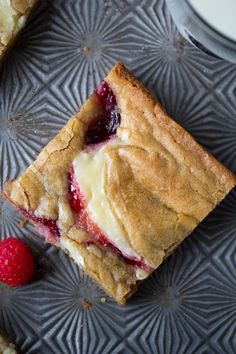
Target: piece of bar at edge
{"x":13,"y":17}
{"x":120,"y":186}
{"x":6,"y":347}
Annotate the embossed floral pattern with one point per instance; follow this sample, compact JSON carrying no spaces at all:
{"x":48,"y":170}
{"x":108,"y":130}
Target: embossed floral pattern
{"x":186,"y":306}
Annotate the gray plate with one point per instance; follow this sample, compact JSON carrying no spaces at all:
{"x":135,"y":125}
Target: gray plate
{"x":189,"y":304}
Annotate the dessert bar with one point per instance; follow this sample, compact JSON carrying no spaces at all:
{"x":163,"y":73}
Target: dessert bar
{"x":13,"y":17}
{"x":120,"y":186}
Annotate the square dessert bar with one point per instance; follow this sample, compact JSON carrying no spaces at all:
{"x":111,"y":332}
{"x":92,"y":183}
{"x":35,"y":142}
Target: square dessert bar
{"x":13,"y":16}
{"x":120,"y":186}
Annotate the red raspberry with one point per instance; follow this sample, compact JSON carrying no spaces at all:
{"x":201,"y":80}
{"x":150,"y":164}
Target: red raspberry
{"x":16,"y":262}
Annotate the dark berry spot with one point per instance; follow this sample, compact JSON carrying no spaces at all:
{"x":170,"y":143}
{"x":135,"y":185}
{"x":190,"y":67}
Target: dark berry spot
{"x":105,"y":125}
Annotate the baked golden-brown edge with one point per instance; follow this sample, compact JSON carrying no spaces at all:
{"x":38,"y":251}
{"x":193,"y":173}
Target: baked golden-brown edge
{"x":23,"y":9}
{"x":119,"y":77}
{"x":55,"y":159}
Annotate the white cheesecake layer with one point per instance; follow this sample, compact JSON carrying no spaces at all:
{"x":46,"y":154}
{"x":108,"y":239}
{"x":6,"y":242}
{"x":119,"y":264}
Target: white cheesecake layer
{"x":89,"y":169}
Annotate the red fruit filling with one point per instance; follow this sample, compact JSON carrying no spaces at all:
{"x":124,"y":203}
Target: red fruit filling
{"x":47,"y":227}
{"x":83,"y":220}
{"x":105,"y":125}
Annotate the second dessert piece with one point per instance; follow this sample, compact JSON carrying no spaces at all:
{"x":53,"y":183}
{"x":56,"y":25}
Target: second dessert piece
{"x":120,"y":186}
{"x":13,"y":17}
{"x":5,"y":346}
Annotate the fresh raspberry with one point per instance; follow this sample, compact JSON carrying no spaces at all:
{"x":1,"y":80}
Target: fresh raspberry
{"x":16,"y":262}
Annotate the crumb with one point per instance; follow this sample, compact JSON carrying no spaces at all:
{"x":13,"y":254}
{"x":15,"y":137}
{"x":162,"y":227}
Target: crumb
{"x":103,"y":300}
{"x":86,"y":305}
{"x":86,"y":49}
{"x":22,"y":223}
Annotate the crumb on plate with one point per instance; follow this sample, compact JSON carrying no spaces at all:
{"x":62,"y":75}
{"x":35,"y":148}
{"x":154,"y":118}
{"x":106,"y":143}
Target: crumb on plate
{"x":86,"y":305}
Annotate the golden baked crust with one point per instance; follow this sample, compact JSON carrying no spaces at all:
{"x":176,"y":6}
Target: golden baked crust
{"x":159,"y":182}
{"x":13,"y":16}
{"x":182,"y":180}
{"x":104,"y":266}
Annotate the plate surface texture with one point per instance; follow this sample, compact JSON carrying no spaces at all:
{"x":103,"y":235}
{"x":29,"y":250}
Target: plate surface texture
{"x":189,"y":304}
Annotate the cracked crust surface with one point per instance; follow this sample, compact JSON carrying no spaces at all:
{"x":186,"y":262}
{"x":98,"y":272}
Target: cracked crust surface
{"x":159,"y":183}
{"x":13,"y":17}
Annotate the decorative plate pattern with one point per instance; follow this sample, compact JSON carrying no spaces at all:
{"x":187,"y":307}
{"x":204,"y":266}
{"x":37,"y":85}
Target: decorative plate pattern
{"x":189,"y":304}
